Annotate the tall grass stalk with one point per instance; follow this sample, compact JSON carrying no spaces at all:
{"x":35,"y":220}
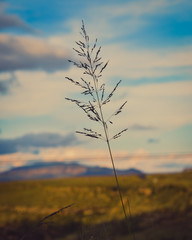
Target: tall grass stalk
{"x":92,"y":65}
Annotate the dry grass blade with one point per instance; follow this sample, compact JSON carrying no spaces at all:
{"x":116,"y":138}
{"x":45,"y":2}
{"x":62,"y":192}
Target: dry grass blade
{"x":76,"y":83}
{"x":94,"y":46}
{"x":119,"y":110}
{"x":90,"y":133}
{"x":104,"y":67}
{"x":54,"y":213}
{"x":111,"y":94}
{"x":119,"y":134}
{"x":96,"y":56}
{"x":43,"y":221}
{"x":73,"y":100}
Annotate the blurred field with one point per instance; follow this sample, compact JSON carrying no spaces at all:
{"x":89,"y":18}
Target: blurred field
{"x":161,"y":208}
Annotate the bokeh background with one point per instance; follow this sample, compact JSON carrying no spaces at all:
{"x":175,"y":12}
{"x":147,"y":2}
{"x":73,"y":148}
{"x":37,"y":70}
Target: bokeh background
{"x":148,"y":45}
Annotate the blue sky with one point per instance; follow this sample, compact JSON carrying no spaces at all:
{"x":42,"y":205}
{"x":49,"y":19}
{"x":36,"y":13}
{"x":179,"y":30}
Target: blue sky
{"x":149,"y":45}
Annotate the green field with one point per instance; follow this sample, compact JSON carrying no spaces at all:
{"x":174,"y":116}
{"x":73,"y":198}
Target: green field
{"x":161,"y":208}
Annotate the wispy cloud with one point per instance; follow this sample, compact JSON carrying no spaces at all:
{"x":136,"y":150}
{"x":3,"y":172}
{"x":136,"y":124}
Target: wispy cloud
{"x":7,"y":83}
{"x":141,"y":21}
{"x":153,"y":140}
{"x":140,"y":159}
{"x":145,"y":64}
{"x":139,"y":127}
{"x":139,"y":7}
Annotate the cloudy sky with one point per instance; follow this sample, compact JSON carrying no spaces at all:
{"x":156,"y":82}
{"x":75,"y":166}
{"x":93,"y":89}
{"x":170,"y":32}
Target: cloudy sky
{"x":149,"y":47}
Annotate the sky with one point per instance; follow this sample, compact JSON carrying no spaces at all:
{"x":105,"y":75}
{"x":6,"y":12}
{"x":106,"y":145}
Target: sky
{"x":149,"y":47}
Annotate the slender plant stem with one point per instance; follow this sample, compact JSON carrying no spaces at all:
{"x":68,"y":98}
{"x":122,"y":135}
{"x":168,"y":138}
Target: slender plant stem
{"x":107,"y":140}
{"x":112,"y":161}
{"x":133,"y":235}
{"x":116,"y":178}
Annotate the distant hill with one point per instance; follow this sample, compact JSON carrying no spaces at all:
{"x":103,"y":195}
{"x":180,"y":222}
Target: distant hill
{"x":189,"y":169}
{"x":60,"y":170}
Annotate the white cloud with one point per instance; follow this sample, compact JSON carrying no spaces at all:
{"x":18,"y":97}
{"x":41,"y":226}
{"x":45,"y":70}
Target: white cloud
{"x":31,"y":53}
{"x":39,"y":93}
{"x":136,"y":64}
{"x":165,"y":105}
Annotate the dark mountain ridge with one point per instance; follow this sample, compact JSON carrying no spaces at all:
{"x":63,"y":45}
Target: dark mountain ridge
{"x":42,"y":170}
